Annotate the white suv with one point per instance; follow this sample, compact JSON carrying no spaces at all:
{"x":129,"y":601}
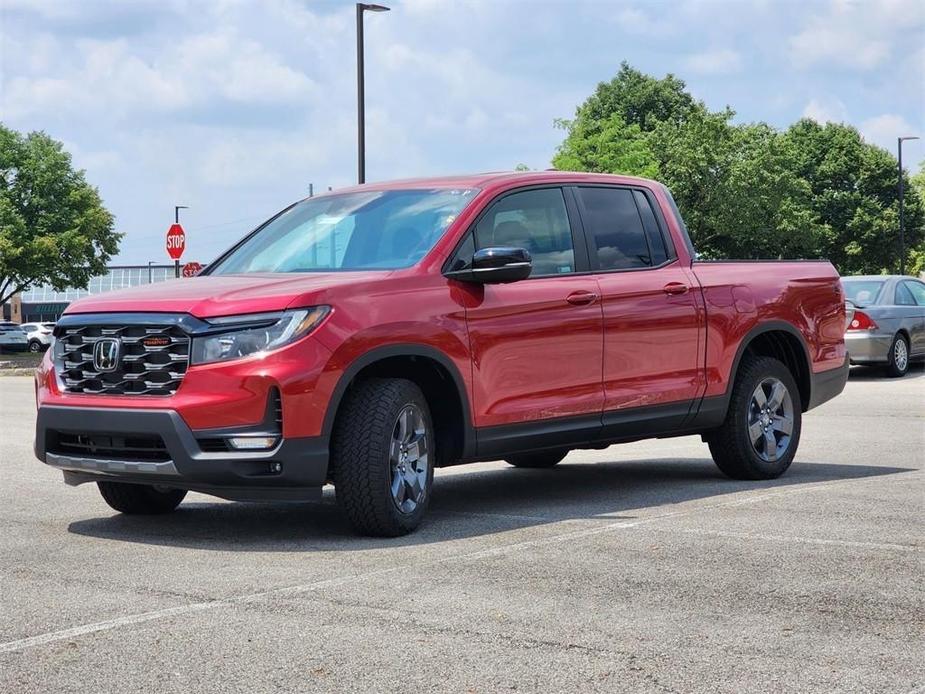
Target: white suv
{"x":40,"y":335}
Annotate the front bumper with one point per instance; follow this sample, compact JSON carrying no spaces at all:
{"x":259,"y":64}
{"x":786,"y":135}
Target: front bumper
{"x":868,"y":348}
{"x":239,"y":476}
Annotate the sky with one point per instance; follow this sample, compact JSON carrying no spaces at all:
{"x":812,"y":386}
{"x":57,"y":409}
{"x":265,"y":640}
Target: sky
{"x":233,"y":107}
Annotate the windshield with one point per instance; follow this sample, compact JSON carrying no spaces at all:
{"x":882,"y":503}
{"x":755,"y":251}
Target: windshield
{"x":862,"y":292}
{"x":367,"y":230}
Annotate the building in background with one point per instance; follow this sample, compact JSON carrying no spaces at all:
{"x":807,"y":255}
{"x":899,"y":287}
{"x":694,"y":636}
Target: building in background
{"x":45,"y":304}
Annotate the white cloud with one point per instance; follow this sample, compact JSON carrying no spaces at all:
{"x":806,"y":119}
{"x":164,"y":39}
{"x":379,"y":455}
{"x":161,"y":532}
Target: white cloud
{"x":632,"y":20}
{"x":826,"y":109}
{"x":719,"y":61}
{"x":854,"y":34}
{"x":884,"y":129}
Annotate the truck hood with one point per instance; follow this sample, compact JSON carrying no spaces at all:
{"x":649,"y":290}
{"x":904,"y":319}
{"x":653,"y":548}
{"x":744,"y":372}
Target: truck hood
{"x":224,"y":295}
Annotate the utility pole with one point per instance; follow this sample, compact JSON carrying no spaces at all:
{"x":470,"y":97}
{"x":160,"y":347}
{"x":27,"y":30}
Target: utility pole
{"x":361,"y":90}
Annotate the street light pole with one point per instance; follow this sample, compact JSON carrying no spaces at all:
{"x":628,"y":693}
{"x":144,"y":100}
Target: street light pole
{"x":361,"y":90}
{"x":176,"y":220}
{"x":902,"y":220}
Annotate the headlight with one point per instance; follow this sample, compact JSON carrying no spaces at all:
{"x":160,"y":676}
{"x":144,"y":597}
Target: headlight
{"x":242,"y":336}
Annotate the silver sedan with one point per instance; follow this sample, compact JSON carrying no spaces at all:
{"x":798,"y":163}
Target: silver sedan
{"x":888,"y":325}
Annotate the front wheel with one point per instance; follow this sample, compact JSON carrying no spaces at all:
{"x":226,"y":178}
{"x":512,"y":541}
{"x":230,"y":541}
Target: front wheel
{"x":760,"y":435}
{"x":898,"y":361}
{"x":140,"y":499}
{"x":383,"y":456}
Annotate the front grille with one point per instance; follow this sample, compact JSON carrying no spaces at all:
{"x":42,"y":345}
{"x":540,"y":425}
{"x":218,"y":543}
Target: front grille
{"x":109,"y":446}
{"x":156,"y":368}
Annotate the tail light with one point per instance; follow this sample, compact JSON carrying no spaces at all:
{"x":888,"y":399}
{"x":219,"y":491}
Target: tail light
{"x":861,"y":321}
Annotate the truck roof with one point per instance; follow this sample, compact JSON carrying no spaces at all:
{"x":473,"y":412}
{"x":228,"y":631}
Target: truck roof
{"x":497,"y":179}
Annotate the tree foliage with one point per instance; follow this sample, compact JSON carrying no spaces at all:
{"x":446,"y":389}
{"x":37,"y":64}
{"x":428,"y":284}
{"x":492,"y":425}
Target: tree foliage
{"x":748,"y":190}
{"x":54,"y":228}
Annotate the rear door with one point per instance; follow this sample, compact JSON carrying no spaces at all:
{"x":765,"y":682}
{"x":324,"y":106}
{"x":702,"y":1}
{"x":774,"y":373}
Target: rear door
{"x":536,"y":344}
{"x":653,"y":324}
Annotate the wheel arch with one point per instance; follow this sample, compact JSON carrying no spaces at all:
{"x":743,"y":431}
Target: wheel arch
{"x":437,"y":376}
{"x":784,"y":342}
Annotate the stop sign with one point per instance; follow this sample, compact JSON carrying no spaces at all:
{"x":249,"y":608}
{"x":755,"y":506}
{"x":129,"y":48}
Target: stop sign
{"x":176,"y":241}
{"x":191,"y":269}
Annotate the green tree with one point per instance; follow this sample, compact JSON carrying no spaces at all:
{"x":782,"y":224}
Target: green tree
{"x":734,"y":184}
{"x":53,"y":226}
{"x":915,"y":263}
{"x":748,"y":191}
{"x":854,"y":195}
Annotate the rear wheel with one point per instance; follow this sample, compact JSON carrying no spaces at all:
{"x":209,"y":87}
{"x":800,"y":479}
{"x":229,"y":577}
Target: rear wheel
{"x":898,"y":361}
{"x":760,"y":435}
{"x":141,"y":499}
{"x":539,"y":459}
{"x":35,"y":346}
{"x":383,"y":454}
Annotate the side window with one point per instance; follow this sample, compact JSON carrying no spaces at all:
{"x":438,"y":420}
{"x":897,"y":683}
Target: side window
{"x":618,"y":237}
{"x":535,"y":220}
{"x":917,"y":289}
{"x":904,"y":295}
{"x":462,"y":259}
{"x":653,"y":233}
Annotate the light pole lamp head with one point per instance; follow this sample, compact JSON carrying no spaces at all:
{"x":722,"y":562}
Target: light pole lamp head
{"x":366,"y":7}
{"x":908,"y":137}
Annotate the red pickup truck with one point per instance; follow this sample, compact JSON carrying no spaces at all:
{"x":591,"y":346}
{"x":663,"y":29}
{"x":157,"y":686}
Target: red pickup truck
{"x":365,"y":337}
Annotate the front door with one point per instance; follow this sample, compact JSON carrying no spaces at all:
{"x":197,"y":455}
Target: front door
{"x":536,"y":344}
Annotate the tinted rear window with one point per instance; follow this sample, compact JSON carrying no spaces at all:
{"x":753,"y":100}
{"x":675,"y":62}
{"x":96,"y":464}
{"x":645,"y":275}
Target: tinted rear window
{"x":616,"y":228}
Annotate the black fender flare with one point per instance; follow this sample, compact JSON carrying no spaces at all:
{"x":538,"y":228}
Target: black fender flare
{"x":767,"y":327}
{"x":711,"y":411}
{"x":409,"y":349}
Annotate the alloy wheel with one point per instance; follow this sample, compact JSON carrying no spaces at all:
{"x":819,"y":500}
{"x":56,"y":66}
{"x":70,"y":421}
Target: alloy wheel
{"x":409,"y":459}
{"x":770,"y":419}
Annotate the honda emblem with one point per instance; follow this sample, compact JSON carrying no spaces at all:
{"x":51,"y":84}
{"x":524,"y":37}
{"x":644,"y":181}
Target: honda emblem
{"x":106,"y":354}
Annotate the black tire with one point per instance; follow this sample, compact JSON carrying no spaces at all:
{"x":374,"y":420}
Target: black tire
{"x":35,"y":346}
{"x":361,"y":467}
{"x":731,"y":444}
{"x":539,"y":459}
{"x":140,"y":499}
{"x":892,"y":368}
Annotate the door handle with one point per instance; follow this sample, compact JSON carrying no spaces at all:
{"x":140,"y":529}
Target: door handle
{"x":673,"y":288}
{"x":581,"y":298}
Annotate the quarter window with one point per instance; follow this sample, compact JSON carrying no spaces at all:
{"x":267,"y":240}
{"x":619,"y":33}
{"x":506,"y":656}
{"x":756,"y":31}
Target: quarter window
{"x":917,"y":289}
{"x":653,"y":233}
{"x":612,"y":219}
{"x":533,"y":219}
{"x":904,"y":295}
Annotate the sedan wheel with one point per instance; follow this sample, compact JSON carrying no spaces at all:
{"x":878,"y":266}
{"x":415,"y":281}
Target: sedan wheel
{"x":899,"y":357}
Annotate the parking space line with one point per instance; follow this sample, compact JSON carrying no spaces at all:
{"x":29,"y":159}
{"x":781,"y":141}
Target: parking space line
{"x":64,"y":634}
{"x":796,"y":538}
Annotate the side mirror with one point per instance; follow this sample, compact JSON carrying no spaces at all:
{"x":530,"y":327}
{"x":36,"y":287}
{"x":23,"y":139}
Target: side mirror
{"x":497,"y":265}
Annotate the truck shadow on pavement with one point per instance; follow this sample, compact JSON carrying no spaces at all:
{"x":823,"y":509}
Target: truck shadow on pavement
{"x":470,"y":504}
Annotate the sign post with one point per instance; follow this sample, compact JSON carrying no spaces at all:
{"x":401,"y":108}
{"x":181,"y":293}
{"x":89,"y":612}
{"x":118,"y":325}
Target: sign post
{"x":176,"y":244}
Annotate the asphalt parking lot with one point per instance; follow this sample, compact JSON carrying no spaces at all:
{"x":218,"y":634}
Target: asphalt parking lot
{"x":638,"y":568}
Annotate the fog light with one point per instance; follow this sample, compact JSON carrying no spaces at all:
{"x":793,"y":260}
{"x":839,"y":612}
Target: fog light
{"x":252,"y":443}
